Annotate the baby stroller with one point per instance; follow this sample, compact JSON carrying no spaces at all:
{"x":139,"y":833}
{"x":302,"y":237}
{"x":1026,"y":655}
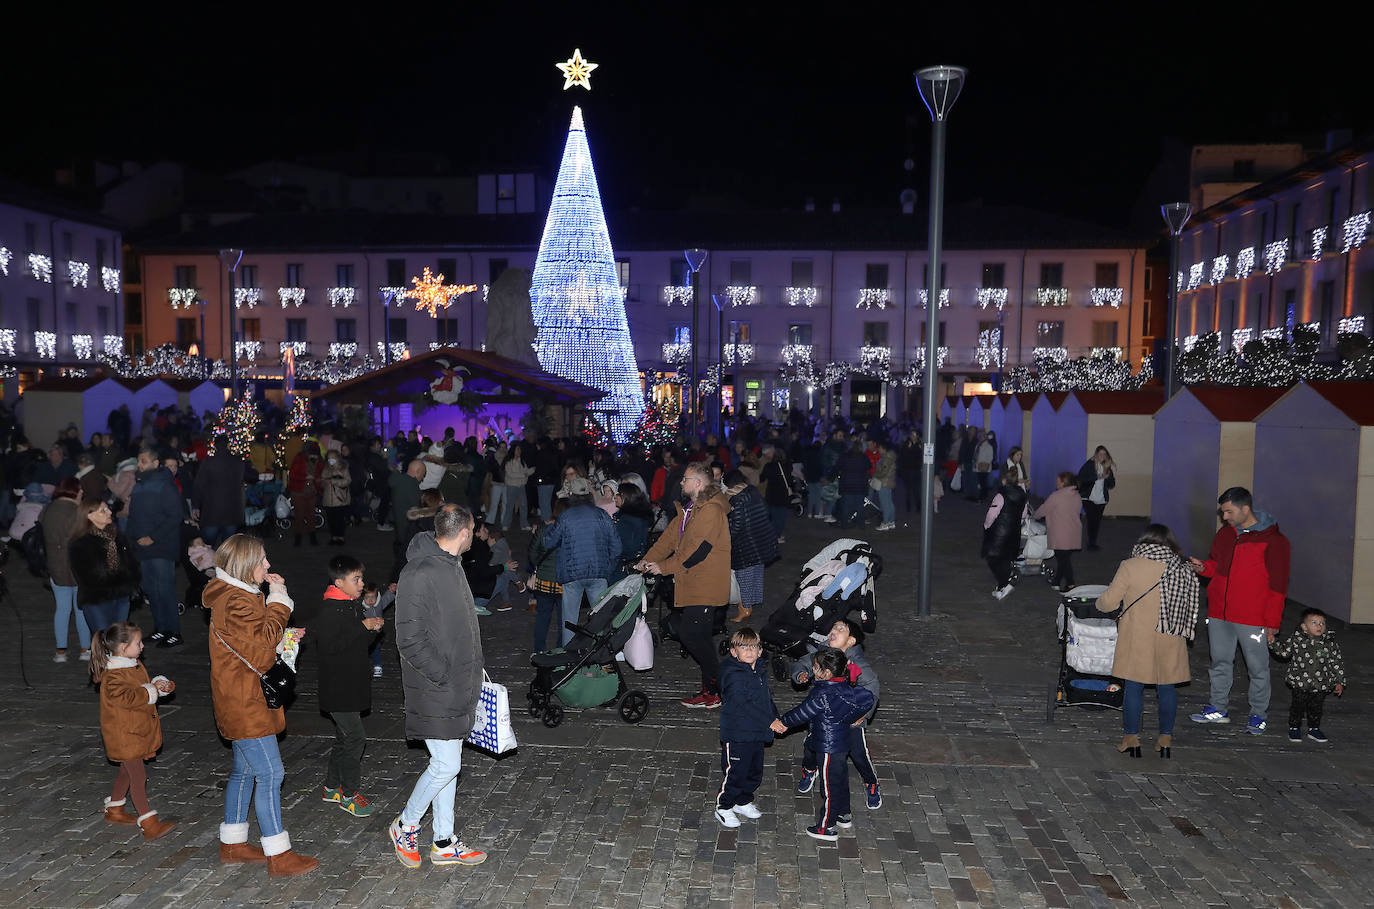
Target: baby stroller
{"x":1087,"y":647}
{"x":1035,"y":549}
{"x":584,"y":672}
{"x":259,"y":501}
{"x":837,"y":582}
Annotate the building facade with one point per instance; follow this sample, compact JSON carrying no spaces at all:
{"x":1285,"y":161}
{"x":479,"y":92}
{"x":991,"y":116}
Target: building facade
{"x":1285,"y":252}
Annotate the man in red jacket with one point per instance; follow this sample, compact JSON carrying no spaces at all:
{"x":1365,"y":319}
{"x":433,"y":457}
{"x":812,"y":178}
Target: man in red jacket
{"x":1248,"y":568}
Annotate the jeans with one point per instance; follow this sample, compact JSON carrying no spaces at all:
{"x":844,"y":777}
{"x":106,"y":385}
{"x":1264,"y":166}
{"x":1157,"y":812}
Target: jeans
{"x":545,"y":501}
{"x":850,"y":510}
{"x":1093,"y":511}
{"x":214,"y":534}
{"x":1222,"y":638}
{"x":572,"y":602}
{"x":885,"y":502}
{"x":1133,"y":704}
{"x":346,"y":758}
{"x":256,"y":761}
{"x":66,"y":605}
{"x":496,"y":503}
{"x":777,"y":514}
{"x":517,"y":506}
{"x":159,"y":583}
{"x":436,"y":788}
{"x":546,"y":605}
{"x":100,"y":616}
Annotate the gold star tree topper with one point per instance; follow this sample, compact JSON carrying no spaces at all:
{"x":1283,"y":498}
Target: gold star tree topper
{"x":577,"y":71}
{"x":431,"y":293}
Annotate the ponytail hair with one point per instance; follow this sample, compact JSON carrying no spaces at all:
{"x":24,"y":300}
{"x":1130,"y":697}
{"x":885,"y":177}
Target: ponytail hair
{"x":105,"y":642}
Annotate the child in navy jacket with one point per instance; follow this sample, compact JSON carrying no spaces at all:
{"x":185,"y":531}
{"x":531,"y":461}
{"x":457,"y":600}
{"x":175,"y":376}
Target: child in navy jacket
{"x":832,"y":705}
{"x":746,"y":711}
{"x":846,"y":635}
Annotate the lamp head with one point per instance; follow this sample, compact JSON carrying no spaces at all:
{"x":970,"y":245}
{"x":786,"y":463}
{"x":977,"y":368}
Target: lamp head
{"x":939,"y":87}
{"x":1176,"y":215}
{"x":695,"y":259}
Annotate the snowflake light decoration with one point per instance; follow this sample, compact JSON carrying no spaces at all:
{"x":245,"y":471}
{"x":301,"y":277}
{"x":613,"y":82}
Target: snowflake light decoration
{"x":247,"y":350}
{"x":676,"y":353}
{"x":1194,"y":276}
{"x":1351,"y":325}
{"x":5,"y":257}
{"x":1318,"y":242}
{"x":342,"y":350}
{"x":431,"y":294}
{"x":7,"y":336}
{"x":741,"y":294}
{"x":795,"y":354}
{"x":113,"y":345}
{"x":181,"y":297}
{"x":677,"y":293}
{"x":297,"y":348}
{"x":247,"y":296}
{"x":741,"y":353}
{"x":1051,"y":296}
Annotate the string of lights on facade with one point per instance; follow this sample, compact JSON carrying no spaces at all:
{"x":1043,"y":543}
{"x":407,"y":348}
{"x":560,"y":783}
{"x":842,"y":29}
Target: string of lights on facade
{"x":1354,"y":232}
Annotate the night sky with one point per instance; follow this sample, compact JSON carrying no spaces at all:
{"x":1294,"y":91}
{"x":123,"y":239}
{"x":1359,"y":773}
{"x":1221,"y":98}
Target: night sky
{"x":731,"y":105}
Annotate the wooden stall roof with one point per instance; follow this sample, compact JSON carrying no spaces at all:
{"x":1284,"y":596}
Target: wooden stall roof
{"x":1235,"y":405}
{"x":66,"y":383}
{"x":1354,"y":399}
{"x":403,"y":379}
{"x":1144,"y":402}
{"x":1056,"y":398}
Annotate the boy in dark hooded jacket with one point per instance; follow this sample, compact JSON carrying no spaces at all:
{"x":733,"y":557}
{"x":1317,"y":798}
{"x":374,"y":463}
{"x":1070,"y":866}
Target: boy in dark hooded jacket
{"x":746,"y":710}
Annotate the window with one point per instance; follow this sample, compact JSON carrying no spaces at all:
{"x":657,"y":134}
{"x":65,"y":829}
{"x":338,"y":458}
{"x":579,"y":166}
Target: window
{"x":398,"y":331}
{"x":1052,"y":275}
{"x":1105,"y":334}
{"x":99,"y":254}
{"x":395,"y":272}
{"x":248,"y":277}
{"x":925,"y":275}
{"x":875,"y":333}
{"x":133,"y":308}
{"x":250,"y":329}
{"x":73,"y":317}
{"x":102,"y":322}
{"x":1149,"y":279}
{"x":741,"y":272}
{"x":346,"y":329}
{"x":681,"y":333}
{"x":343,"y":275}
{"x":1242,"y":169}
{"x":1293,"y":216}
{"x":1290,"y":308}
{"x":1326,"y":300}
{"x":30,"y":236}
{"x":622,"y":272}
{"x":448,"y":268}
{"x":1263,"y":229}
{"x":446,"y":331}
{"x":803,"y":271}
{"x":294,"y":279}
{"x":875,"y":274}
{"x":1106,"y":274}
{"x":1333,"y":206}
{"x":295,"y":330}
{"x":186,"y":333}
{"x":1256,"y":314}
{"x":994,"y":274}
{"x":68,"y":245}
{"x":940,"y":340}
{"x":184,"y":276}
{"x":740,"y":331}
{"x":679,"y":275}
{"x":35,"y":307}
{"x":495,"y":268}
{"x":1050,"y":334}
{"x":799,"y":333}
{"x":1226,"y":320}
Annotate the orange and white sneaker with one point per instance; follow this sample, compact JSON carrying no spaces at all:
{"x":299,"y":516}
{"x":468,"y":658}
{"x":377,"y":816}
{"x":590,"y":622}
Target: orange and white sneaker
{"x":455,"y":852}
{"x":406,"y":840}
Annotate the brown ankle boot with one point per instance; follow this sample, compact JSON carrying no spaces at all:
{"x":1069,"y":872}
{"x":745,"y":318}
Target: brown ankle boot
{"x":153,"y":826}
{"x":290,"y":864}
{"x":119,"y":814}
{"x":742,"y":615}
{"x":240,"y":853}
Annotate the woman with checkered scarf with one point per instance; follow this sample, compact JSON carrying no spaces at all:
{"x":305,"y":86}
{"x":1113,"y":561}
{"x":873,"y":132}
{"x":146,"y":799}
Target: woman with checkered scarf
{"x":1155,"y":596}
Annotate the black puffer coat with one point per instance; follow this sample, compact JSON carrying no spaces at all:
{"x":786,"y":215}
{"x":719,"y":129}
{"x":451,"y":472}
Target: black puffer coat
{"x":854,"y":468}
{"x":1002,"y":539}
{"x":95,"y":581}
{"x":753,"y":541}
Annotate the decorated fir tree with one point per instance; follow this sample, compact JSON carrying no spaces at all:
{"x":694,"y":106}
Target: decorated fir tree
{"x":575,"y":295}
{"x":594,"y":434}
{"x":652,"y":428}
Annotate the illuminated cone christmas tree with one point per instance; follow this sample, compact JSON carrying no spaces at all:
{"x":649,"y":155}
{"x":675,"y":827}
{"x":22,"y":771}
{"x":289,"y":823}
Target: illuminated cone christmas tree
{"x":575,"y":295}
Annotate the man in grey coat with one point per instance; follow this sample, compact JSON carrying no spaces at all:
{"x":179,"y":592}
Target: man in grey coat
{"x":441,"y":672}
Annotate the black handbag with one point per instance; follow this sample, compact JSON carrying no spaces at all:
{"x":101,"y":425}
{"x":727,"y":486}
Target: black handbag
{"x":278,"y":682}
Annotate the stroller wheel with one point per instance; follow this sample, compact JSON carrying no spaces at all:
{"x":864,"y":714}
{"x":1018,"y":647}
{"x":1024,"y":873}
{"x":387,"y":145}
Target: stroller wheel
{"x":181,"y":608}
{"x":553,"y":715}
{"x":779,"y":667}
{"x":724,"y":647}
{"x":634,"y":706}
{"x":319,"y":519}
{"x":284,"y":523}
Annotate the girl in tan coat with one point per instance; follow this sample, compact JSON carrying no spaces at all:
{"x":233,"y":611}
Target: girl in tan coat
{"x":695,"y":550}
{"x":1158,"y":595}
{"x":128,"y":722}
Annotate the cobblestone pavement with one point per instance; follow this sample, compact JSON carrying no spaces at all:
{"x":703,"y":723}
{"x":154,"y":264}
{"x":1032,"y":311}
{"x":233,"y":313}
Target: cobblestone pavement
{"x":985,"y":803}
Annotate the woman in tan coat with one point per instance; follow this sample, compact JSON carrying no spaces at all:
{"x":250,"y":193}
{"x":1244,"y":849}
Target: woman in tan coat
{"x":1157,"y":594}
{"x":695,"y":550}
{"x":245,"y":628}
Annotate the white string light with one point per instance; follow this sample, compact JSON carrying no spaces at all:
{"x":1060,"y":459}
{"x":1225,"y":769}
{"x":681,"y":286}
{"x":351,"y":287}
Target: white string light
{"x":676,"y":353}
{"x":5,"y":257}
{"x":113,"y":345}
{"x":1220,"y":265}
{"x":1110,"y":353}
{"x":1179,"y":284}
{"x":1353,"y":231}
{"x":992,"y":296}
{"x":800,"y":296}
{"x":873,"y":356}
{"x":944,"y":298}
{"x":1051,"y":353}
{"x":1240,"y":337}
{"x":1245,"y":262}
{"x":109,"y":279}
{"x":677,"y":293}
{"x":392,"y":295}
{"x":297,"y":348}
{"x":1189,"y":341}
{"x":794,"y":354}
{"x":345,"y":296}
{"x":45,"y":343}
{"x":741,"y":294}
{"x":181,"y":297}
{"x":743,"y":353}
{"x":1352,"y":325}
{"x":1273,"y":334}
{"x":1195,"y":276}
{"x":1106,"y":296}
{"x":247,"y":296}
{"x":78,"y":273}
{"x":1318,"y":242}
{"x":1051,"y":296}
{"x":247,"y":350}
{"x":7,"y":336}
{"x":399,"y":350}
{"x":82,"y":345}
{"x":919,"y":358}
{"x":294,"y":295}
{"x":40,"y":267}
{"x":871,"y":297}
{"x":342,"y":350}
{"x":1275,"y":256}
{"x":990,"y":350}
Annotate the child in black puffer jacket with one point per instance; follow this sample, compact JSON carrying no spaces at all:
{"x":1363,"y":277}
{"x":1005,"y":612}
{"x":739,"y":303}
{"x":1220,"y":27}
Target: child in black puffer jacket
{"x":746,"y":711}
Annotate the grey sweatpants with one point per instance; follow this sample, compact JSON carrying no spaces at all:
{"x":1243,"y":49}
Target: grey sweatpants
{"x":1222,"y":638}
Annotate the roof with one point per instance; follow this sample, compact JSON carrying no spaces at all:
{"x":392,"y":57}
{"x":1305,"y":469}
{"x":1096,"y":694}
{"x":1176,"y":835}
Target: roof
{"x":1297,"y":176}
{"x":966,"y":227}
{"x":1144,"y":402}
{"x":498,"y":379}
{"x":66,"y":383}
{"x":1026,"y":399}
{"x":1235,"y":405}
{"x":1354,"y":399}
{"x":1056,"y":398}
{"x":49,"y":203}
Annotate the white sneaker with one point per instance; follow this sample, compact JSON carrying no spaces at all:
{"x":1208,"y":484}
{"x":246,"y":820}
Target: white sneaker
{"x":749,"y":811}
{"x":376,"y":672}
{"x":59,"y":657}
{"x":727,"y":818}
{"x":831,"y":519}
{"x":1002,"y":592}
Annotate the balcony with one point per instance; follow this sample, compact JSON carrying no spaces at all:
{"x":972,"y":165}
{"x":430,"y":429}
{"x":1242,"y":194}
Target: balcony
{"x":1245,"y":262}
{"x":83,"y":346}
{"x":992,"y":296}
{"x":677,"y":294}
{"x":5,"y":257}
{"x":45,"y":344}
{"x":181,"y":297}
{"x":1106,"y":296}
{"x":944,"y":298}
{"x":293,"y":296}
{"x":741,"y":294}
{"x":78,"y":273}
{"x":399,"y":350}
{"x":1275,"y":256}
{"x":343,"y":350}
{"x":40,"y":268}
{"x":677,"y":353}
{"x":741,"y":353}
{"x":1354,"y":231}
{"x":7,"y":338}
{"x":247,"y":296}
{"x":247,"y":350}
{"x":874,"y":298}
{"x":110,"y":279}
{"x":343,"y":296}
{"x":297,"y":348}
{"x":1051,"y":296}
{"x":795,"y":354}
{"x":800,"y":296}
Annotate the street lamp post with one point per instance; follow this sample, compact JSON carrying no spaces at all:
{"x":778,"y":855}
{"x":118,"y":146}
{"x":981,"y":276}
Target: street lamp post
{"x":720,"y":300}
{"x":230,"y":259}
{"x":695,"y":259}
{"x":1176,"y":215}
{"x":939,"y":87}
